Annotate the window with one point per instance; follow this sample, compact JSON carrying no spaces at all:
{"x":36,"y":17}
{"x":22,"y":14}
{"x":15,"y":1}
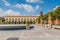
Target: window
{"x":24,"y":19}
{"x":12,"y":19}
{"x":21,"y":18}
{"x":18,"y":19}
{"x":6,"y":18}
{"x":15,"y":19}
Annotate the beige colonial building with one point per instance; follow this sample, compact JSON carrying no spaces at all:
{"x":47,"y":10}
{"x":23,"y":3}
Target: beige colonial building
{"x":20,"y":18}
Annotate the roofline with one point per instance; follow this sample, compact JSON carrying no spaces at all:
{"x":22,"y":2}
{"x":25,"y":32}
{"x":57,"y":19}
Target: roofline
{"x":21,"y":16}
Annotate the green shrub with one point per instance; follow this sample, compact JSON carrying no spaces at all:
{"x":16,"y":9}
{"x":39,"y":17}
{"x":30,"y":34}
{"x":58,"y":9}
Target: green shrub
{"x":27,"y":23}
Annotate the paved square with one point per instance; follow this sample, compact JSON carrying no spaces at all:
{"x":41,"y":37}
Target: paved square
{"x":37,"y":33}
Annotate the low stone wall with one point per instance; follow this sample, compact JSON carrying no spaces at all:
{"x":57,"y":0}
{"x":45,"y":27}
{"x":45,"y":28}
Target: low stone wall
{"x":56,"y":26}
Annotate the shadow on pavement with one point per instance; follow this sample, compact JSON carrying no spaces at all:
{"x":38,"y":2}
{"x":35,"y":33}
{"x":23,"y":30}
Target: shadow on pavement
{"x":21,"y":28}
{"x":13,"y":39}
{"x":57,"y":28}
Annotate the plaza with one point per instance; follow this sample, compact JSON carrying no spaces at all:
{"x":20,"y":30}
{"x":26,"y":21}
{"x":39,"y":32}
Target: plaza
{"x":36,"y":33}
{"x":29,"y":19}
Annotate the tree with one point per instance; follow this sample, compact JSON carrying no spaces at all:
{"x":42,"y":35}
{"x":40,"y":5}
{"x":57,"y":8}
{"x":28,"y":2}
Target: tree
{"x":27,"y":26}
{"x":38,"y":19}
{"x":2,"y":20}
{"x":55,"y":14}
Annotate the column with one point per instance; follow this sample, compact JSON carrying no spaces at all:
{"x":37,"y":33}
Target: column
{"x":11,"y":20}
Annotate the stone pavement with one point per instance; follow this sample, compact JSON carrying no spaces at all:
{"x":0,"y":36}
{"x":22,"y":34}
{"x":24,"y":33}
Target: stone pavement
{"x":37,"y":33}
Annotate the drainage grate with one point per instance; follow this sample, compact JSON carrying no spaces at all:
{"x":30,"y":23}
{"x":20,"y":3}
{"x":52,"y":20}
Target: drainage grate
{"x":12,"y":38}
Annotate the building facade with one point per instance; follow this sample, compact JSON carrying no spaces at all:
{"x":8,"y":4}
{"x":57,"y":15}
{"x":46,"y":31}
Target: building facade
{"x":20,"y":19}
{"x":14,"y":19}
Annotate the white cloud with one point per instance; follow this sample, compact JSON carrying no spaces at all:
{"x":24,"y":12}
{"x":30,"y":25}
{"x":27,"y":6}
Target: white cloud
{"x":34,"y":1}
{"x":37,"y":15}
{"x":27,"y":7}
{"x":6,"y":3}
{"x":55,"y":8}
{"x":12,"y":13}
{"x":18,"y":5}
{"x":1,"y":12}
{"x":9,"y":13}
{"x":37,"y":7}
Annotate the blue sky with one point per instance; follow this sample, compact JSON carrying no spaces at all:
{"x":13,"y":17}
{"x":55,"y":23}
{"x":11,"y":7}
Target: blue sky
{"x":27,"y":7}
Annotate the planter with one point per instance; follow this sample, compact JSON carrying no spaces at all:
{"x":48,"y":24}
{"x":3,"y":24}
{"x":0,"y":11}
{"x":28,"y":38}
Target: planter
{"x":27,"y":27}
